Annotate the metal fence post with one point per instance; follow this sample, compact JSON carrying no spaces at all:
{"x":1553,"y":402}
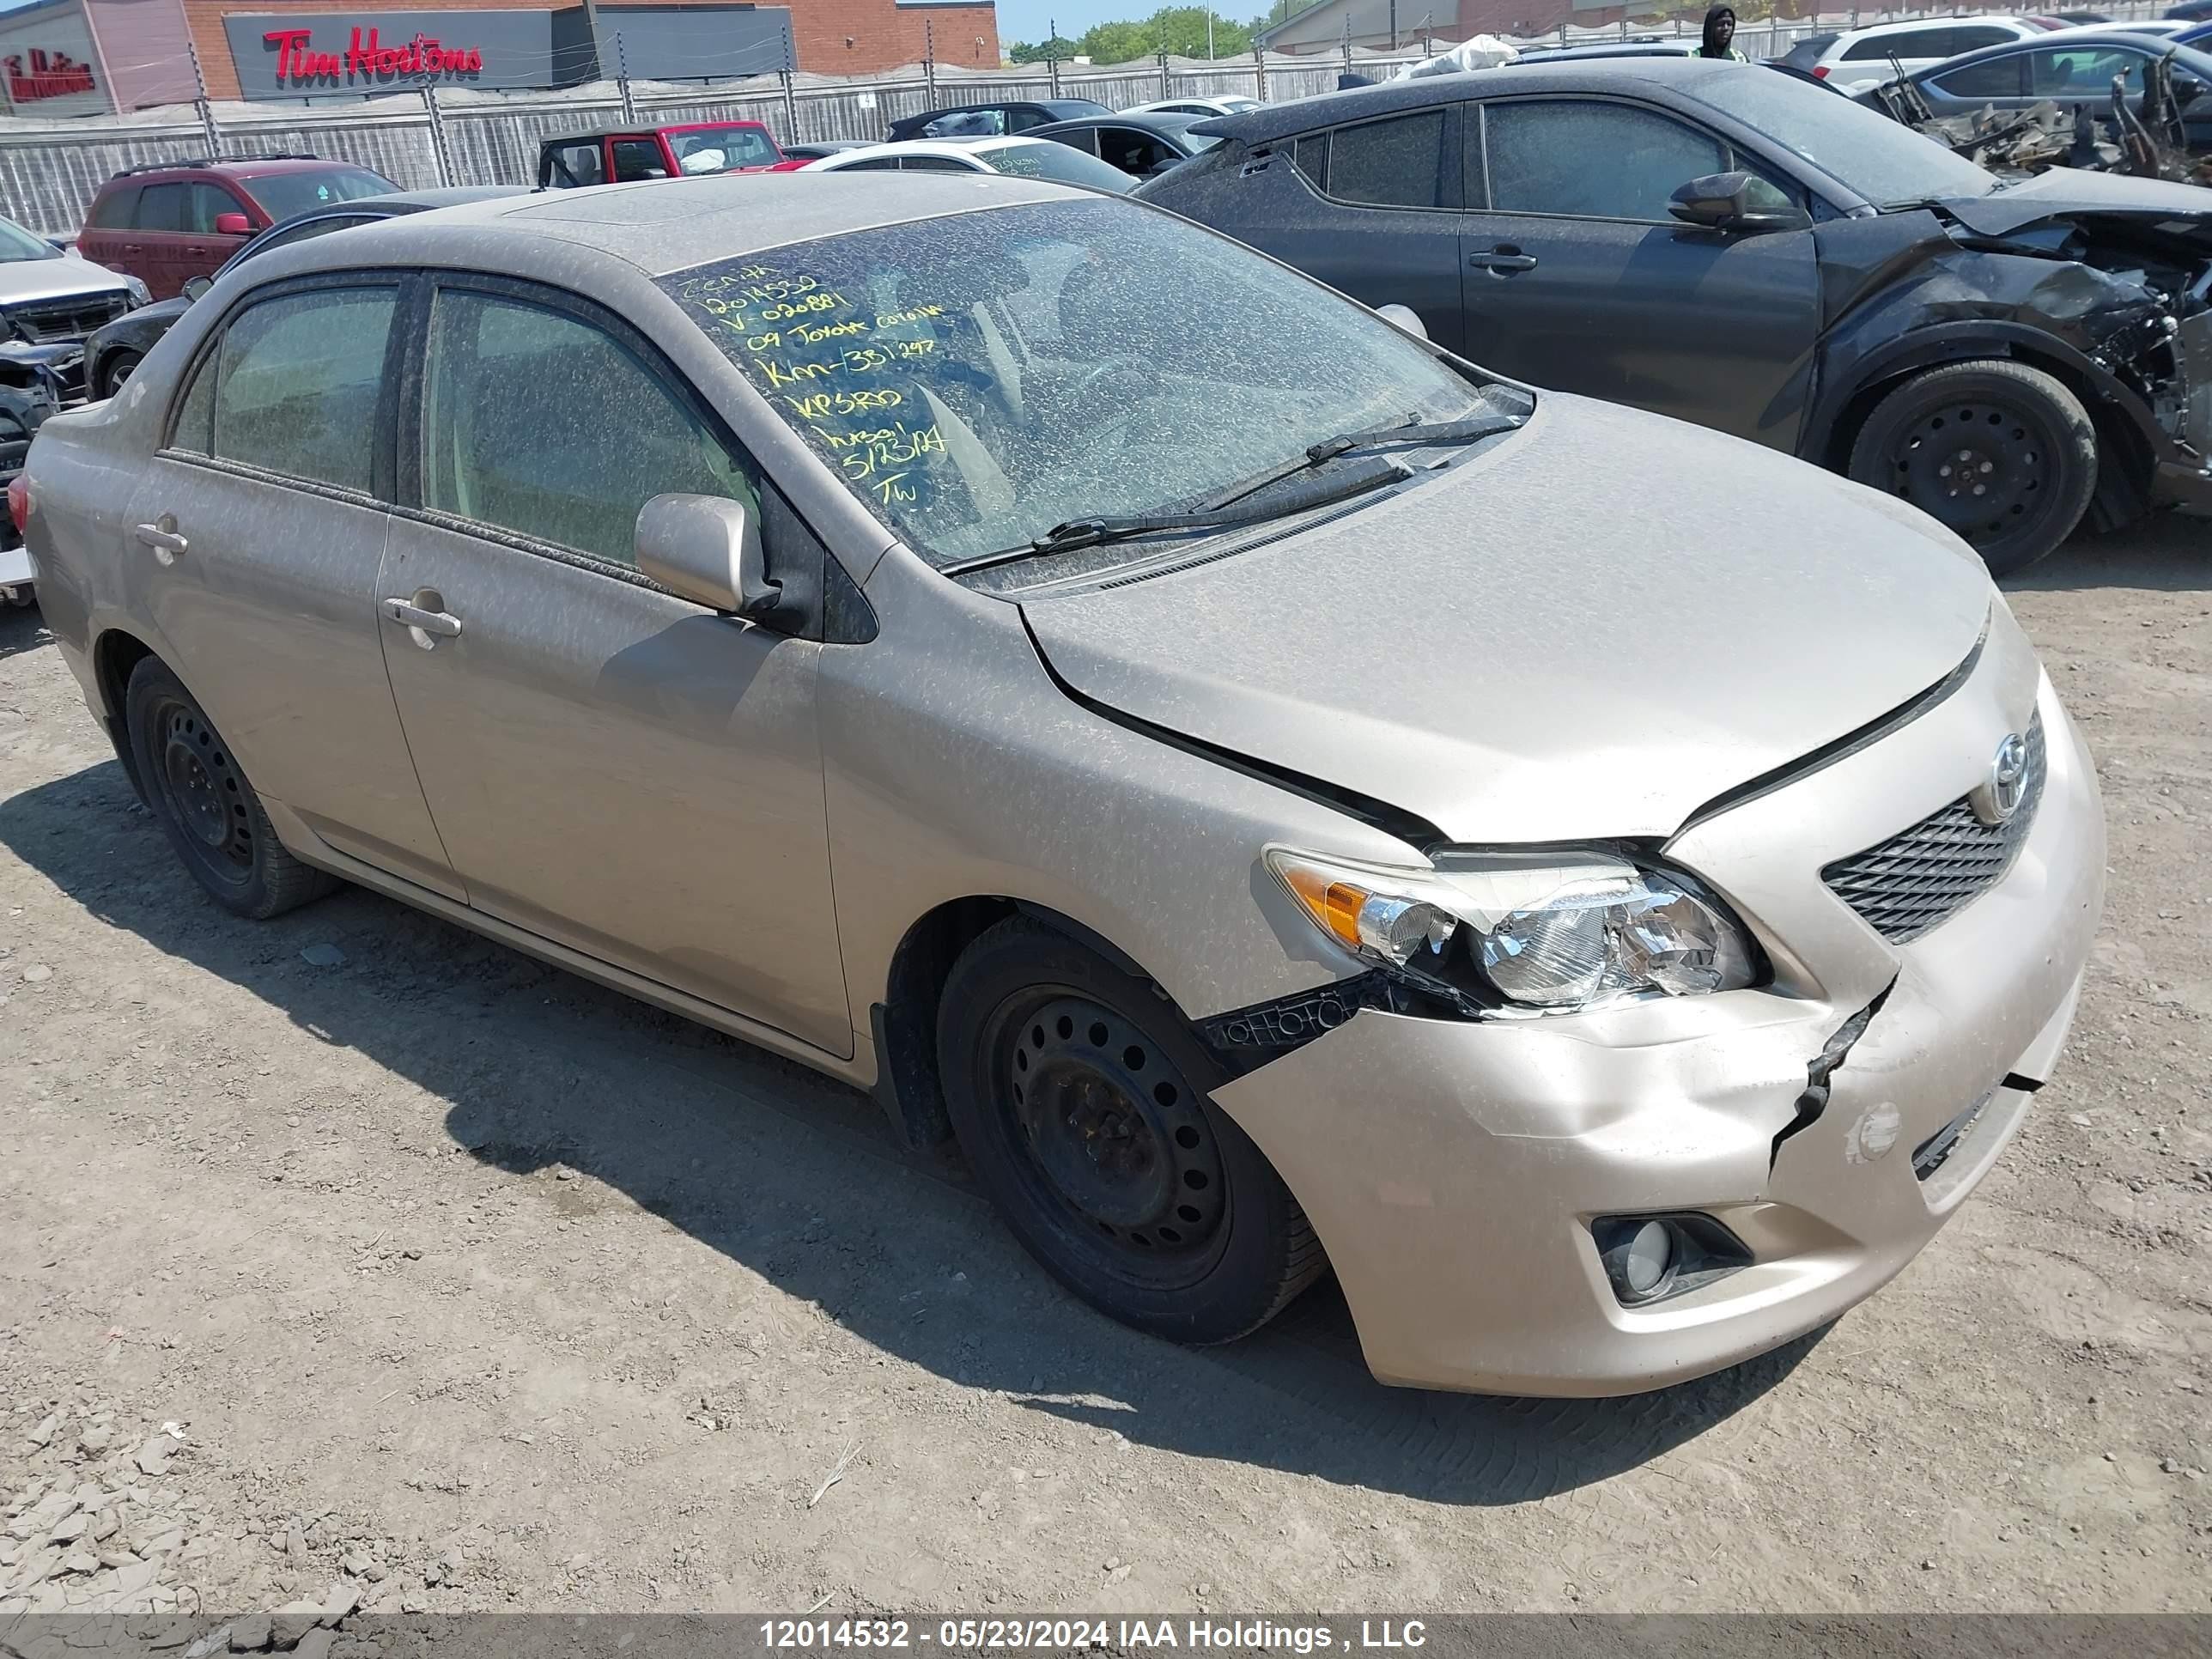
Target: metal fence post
{"x":200,"y":103}
{"x":790,"y":106}
{"x":439,"y":156}
{"x":1260,"y":72}
{"x":621,"y":83}
{"x":929,"y":59}
{"x":1166,"y":91}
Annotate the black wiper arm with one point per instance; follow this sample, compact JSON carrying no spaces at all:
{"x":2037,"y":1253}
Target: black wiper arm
{"x":1076,"y":533}
{"x":1467,"y":429}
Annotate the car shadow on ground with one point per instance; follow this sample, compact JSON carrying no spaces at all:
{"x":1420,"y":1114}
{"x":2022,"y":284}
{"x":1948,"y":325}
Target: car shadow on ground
{"x":799,"y":1179}
{"x":20,"y":630}
{"x":2166,"y":555}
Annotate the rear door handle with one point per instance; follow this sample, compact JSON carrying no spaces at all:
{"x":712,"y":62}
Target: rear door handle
{"x":1503,"y":260}
{"x":161,"y":535}
{"x":423,"y":626}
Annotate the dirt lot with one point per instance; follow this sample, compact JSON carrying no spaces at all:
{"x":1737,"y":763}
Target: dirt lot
{"x":464,"y":1284}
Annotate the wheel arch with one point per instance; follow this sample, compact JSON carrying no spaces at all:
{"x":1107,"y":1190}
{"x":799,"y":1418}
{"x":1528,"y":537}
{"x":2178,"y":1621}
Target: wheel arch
{"x":903,"y":1021}
{"x":2125,"y":429}
{"x":116,"y":654}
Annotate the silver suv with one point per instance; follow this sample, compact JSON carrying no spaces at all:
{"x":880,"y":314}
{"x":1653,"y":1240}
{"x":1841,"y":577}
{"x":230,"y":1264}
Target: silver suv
{"x":1284,"y":798}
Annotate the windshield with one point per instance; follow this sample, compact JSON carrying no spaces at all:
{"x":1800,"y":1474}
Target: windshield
{"x":17,"y":244}
{"x":284,"y":194}
{"x":978,"y":378}
{"x":1046,"y":160}
{"x":1866,"y":152}
{"x":718,"y":151}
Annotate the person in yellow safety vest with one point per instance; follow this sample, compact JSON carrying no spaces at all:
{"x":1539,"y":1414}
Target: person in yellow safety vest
{"x":1720,"y":36}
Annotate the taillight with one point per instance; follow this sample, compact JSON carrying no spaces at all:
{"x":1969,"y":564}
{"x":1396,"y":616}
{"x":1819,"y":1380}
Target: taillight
{"x":19,"y":501}
{"x":1819,"y":72}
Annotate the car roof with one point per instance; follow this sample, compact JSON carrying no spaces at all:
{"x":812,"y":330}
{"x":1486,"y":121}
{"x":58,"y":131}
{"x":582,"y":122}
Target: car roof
{"x":1683,"y":48}
{"x":1628,"y":76}
{"x":240,"y":166}
{"x":957,"y":148}
{"x":1914,"y":25}
{"x":2149,"y":45}
{"x":639,"y":127}
{"x":660,"y":226}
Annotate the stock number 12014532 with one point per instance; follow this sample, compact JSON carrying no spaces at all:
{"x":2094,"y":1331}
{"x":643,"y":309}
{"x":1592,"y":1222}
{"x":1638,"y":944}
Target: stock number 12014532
{"x":836,"y":1633}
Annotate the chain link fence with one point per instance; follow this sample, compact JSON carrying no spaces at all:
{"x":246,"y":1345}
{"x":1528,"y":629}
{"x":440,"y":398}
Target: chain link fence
{"x":49,"y":170}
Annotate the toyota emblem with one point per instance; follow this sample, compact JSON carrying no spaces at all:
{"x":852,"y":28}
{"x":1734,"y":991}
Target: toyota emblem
{"x":1999,"y":798}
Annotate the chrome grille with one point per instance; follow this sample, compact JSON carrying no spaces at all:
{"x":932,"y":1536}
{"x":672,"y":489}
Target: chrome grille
{"x":44,"y":321}
{"x":1920,"y":877}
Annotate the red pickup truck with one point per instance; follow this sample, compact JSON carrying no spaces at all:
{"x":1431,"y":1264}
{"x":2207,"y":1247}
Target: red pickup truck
{"x":670,"y":152}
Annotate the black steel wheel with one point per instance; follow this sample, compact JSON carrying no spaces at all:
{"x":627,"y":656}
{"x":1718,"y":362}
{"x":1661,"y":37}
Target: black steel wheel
{"x":200,"y":795}
{"x":2002,"y":454}
{"x":1079,"y":1097}
{"x":116,"y":370}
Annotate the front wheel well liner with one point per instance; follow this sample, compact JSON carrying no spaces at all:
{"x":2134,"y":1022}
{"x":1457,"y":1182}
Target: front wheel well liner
{"x":2125,"y":462}
{"x":908,"y":1082}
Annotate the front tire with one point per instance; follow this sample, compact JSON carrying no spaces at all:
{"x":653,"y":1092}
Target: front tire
{"x":2002,"y":454}
{"x":207,"y":809}
{"x":1078,"y":1095}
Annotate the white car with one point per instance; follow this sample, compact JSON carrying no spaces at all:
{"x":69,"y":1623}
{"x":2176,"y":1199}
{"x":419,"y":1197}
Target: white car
{"x":1861,"y":58}
{"x":1021,"y":158}
{"x":1195,"y":107}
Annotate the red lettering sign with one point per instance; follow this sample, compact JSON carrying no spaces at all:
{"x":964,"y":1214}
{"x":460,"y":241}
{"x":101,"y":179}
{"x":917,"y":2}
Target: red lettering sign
{"x":368,"y":58}
{"x":52,"y":75}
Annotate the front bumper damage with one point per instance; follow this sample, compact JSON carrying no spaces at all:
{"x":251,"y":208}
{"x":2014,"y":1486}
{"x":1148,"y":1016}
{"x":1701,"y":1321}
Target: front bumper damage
{"x":1453,"y":1169}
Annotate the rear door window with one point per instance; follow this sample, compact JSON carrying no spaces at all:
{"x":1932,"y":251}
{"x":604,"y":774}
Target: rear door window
{"x":1394,"y":163}
{"x":1590,"y":160}
{"x":1134,"y":150}
{"x":297,"y":384}
{"x":1997,"y":77}
{"x":573,"y":165}
{"x":1972,"y":38}
{"x":165,"y":207}
{"x":1900,"y":43}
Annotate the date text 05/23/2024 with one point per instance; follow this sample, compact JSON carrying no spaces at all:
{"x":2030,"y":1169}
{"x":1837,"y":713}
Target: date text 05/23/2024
{"x":1020,"y":1635}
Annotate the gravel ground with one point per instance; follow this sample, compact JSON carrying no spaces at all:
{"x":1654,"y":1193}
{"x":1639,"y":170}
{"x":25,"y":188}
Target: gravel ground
{"x":350,"y":1259}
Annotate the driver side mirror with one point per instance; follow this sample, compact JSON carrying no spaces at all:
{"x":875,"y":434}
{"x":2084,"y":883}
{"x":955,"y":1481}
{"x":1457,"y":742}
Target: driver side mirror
{"x":196,"y":286}
{"x":233,"y":224}
{"x":1734,"y":201}
{"x":708,"y":549}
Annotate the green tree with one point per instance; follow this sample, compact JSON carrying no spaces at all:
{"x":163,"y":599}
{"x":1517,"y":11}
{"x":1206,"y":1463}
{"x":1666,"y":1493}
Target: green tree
{"x":1180,"y":30}
{"x":1059,"y":46}
{"x":1117,"y":43}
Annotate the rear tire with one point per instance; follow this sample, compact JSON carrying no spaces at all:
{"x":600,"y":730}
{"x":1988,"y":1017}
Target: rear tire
{"x":117,"y":368}
{"x":206,"y":806}
{"x":1078,"y":1094}
{"x":2015,"y":434}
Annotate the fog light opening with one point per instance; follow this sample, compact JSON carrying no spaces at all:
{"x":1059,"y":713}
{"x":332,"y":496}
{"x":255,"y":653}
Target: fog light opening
{"x":1648,"y":1258}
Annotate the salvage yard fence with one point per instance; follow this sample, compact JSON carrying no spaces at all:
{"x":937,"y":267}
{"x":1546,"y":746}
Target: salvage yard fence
{"x":49,"y":170}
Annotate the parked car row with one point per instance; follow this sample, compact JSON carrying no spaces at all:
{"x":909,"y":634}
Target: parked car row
{"x":1284,"y":798}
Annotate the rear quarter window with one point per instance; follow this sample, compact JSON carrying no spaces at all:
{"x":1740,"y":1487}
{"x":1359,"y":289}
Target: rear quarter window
{"x":115,"y":208}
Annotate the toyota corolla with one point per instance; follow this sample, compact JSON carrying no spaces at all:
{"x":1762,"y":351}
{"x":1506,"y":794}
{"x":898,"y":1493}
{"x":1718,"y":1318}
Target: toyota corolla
{"x":1138,"y":712}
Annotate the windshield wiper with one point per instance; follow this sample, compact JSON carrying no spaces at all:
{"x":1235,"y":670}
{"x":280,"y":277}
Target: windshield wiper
{"x":1467,"y":429}
{"x":1077,"y":533}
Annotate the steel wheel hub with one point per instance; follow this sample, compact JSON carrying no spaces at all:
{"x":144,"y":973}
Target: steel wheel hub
{"x":203,"y":788}
{"x":1976,"y":467}
{"x":1114,"y":1127}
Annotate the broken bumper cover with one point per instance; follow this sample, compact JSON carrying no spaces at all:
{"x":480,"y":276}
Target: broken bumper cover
{"x":1453,"y":1169}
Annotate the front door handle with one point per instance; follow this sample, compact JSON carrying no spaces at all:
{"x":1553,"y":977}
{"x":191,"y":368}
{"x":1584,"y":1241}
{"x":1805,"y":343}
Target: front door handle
{"x":1503,"y":261}
{"x":425,"y":626}
{"x":161,"y":535}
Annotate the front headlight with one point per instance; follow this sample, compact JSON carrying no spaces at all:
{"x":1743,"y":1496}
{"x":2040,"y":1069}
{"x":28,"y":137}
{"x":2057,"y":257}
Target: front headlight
{"x":140,"y":294}
{"x":1546,"y":930}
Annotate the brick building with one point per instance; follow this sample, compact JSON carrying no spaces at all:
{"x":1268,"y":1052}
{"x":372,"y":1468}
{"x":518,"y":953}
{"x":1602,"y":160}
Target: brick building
{"x":82,"y":56}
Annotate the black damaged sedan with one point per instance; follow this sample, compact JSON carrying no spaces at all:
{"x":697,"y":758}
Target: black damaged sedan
{"x":1729,"y":246}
